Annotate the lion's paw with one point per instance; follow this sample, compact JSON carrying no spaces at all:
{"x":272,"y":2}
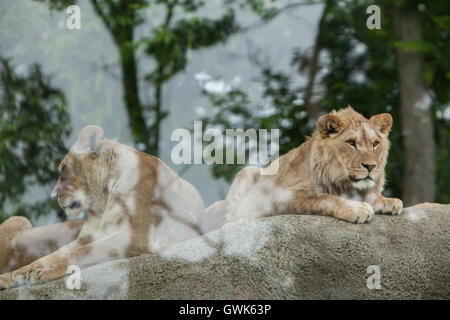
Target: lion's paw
{"x":357,"y":212}
{"x":40,"y":275}
{"x":31,"y":274}
{"x":392,"y":206}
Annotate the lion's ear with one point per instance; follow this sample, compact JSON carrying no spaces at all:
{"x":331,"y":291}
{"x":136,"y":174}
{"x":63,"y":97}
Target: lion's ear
{"x":89,"y":141}
{"x":383,"y":122}
{"x":329,"y":125}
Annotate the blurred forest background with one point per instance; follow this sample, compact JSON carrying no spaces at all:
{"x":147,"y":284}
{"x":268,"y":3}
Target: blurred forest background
{"x":142,"y":68}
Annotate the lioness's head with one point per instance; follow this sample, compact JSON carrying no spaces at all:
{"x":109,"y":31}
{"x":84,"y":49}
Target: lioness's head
{"x":80,"y":173}
{"x":354,"y":148}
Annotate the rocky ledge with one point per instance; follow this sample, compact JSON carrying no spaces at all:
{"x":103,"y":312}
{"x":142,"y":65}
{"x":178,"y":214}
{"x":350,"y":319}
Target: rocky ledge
{"x":283,"y":257}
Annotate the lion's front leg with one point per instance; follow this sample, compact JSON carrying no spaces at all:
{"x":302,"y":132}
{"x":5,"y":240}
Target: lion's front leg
{"x":54,"y":266}
{"x":384,"y":205}
{"x":328,"y":204}
{"x":32,"y":274}
{"x":50,"y":267}
{"x":39,"y":274}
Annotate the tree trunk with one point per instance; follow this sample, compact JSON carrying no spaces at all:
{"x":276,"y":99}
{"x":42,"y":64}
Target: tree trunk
{"x":415,"y":109}
{"x":131,"y":95}
{"x":123,"y":34}
{"x":313,"y":107}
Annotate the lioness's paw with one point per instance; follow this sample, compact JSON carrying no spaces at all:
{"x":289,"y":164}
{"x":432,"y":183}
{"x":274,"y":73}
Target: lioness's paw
{"x":31,"y":274}
{"x":392,"y":206}
{"x":39,"y":275}
{"x":34,"y":275}
{"x":18,"y":277}
{"x":357,"y":212}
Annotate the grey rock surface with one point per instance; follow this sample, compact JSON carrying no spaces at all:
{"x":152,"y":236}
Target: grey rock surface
{"x":282,"y":257}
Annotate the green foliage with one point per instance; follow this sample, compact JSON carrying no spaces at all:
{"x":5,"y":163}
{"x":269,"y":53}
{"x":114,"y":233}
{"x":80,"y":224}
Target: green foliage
{"x":282,"y":111}
{"x":365,"y":79}
{"x":379,"y":92}
{"x":266,"y":9}
{"x":33,"y":127}
{"x":58,"y":4}
{"x":169,"y":45}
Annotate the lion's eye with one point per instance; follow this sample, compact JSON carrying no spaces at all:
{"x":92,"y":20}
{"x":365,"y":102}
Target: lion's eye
{"x":351,"y":142}
{"x":376,"y":143}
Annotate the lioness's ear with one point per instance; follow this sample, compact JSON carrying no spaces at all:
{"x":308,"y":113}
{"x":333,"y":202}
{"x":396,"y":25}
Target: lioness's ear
{"x":383,"y":122}
{"x":90,"y":139}
{"x":329,"y":124}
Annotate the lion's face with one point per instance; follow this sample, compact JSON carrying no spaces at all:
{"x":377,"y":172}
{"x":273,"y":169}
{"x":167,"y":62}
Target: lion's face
{"x":80,"y":174}
{"x":70,"y":190}
{"x":362,"y":152}
{"x":355,"y":148}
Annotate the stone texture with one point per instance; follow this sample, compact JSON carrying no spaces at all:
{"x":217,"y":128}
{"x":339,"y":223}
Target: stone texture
{"x":282,"y":257}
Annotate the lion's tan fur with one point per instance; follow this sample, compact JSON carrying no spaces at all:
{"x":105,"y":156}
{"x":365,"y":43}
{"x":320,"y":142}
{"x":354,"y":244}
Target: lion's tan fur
{"x":314,"y":178}
{"x":135,"y":204}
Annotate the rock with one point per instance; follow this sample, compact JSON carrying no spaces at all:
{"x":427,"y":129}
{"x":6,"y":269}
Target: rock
{"x":282,"y":257}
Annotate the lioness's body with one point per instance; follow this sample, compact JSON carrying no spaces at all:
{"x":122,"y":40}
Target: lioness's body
{"x":325,"y":175}
{"x":135,"y":205}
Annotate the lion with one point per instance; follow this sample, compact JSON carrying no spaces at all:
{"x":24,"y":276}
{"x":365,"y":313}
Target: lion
{"x":134,"y":204}
{"x":338,"y":171}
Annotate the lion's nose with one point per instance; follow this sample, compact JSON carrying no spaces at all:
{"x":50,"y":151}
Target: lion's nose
{"x":368,"y":166}
{"x":54,"y":196}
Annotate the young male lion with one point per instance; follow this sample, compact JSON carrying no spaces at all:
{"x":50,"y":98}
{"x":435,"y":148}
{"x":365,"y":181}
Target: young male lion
{"x":339,"y":172}
{"x":135,"y":205}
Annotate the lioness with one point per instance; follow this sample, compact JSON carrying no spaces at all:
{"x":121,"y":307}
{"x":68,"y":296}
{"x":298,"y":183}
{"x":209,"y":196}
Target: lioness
{"x":339,"y":171}
{"x":135,"y":204}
